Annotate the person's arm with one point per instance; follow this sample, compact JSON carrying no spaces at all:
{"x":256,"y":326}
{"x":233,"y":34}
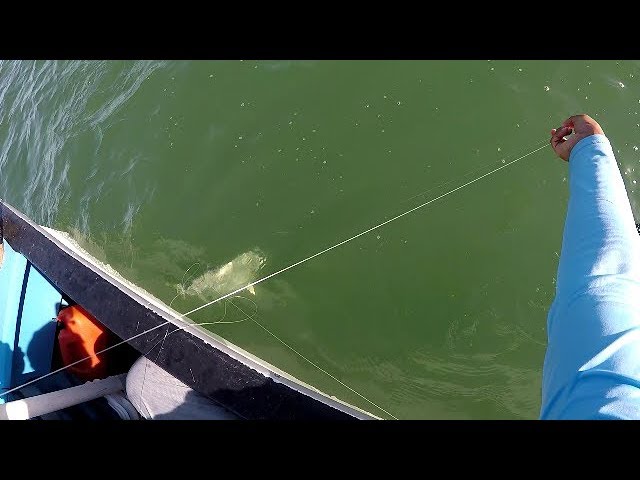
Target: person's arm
{"x":592,"y":364}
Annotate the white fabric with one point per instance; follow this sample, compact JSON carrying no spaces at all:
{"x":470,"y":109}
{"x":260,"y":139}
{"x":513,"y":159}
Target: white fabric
{"x":157,"y":395}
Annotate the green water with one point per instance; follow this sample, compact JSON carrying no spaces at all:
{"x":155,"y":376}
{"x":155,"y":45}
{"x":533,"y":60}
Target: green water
{"x":156,"y":167}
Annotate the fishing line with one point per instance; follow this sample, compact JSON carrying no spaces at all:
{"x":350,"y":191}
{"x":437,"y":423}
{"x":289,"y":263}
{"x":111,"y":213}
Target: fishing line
{"x":282,"y":270}
{"x":180,"y":287}
{"x":230,"y":300}
{"x":481,"y":167}
{"x":328,"y":249}
{"x":252,"y":318}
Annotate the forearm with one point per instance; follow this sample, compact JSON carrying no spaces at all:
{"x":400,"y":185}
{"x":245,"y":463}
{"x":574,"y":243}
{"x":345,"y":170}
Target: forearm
{"x":593,"y":325}
{"x":600,"y":234}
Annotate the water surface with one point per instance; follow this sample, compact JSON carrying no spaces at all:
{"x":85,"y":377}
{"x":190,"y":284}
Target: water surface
{"x":169,"y":171}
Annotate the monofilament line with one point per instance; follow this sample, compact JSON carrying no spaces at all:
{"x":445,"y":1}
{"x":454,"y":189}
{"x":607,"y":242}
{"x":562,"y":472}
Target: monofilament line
{"x":300,"y":262}
{"x":369,"y":230}
{"x":319,"y":367}
{"x":253,"y":319}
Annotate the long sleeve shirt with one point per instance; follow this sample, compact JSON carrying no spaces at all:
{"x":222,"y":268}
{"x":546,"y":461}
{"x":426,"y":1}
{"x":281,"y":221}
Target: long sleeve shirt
{"x":592,"y":363}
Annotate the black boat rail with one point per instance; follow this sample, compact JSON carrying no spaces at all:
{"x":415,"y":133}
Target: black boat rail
{"x":241,"y":382}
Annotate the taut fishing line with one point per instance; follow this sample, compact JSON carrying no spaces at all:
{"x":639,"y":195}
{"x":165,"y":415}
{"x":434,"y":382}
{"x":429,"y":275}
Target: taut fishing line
{"x":282,"y":270}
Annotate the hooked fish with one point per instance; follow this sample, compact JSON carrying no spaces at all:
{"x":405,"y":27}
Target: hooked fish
{"x":240,"y":271}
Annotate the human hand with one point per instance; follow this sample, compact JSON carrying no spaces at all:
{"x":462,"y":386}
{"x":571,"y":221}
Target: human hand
{"x":581,"y":126}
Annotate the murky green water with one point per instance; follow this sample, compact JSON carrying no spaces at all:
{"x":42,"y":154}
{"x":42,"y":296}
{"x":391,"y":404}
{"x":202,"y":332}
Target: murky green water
{"x":170,"y":170}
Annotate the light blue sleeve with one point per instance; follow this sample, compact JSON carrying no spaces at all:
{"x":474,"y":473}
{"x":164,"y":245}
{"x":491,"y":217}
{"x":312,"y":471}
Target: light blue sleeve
{"x":592,"y":364}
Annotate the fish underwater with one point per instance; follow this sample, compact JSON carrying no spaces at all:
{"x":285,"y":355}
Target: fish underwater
{"x":216,"y":282}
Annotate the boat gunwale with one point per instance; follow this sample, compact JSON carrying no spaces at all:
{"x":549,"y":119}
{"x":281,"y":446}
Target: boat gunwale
{"x":159,"y":310}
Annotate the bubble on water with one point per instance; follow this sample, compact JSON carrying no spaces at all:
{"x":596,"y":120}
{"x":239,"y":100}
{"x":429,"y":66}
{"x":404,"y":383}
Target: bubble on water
{"x":492,"y":69}
{"x":635,"y":148}
{"x":519,"y":69}
{"x":378,"y":237}
{"x":498,"y":148}
{"x":239,"y":138}
{"x":324,"y":163}
{"x":503,"y":160}
{"x":312,"y":212}
{"x":399,"y":103}
{"x":546,"y":88}
{"x":242,"y":104}
{"x":366,"y":106}
{"x":621,"y":84}
{"x":211,"y":76}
